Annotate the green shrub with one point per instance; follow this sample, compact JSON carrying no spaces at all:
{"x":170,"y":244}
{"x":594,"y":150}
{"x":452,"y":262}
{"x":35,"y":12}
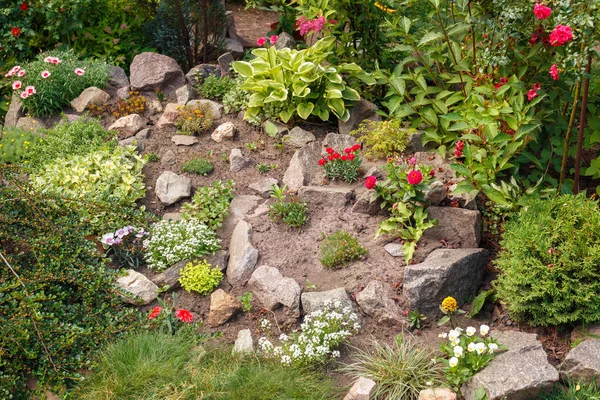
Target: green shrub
{"x":200,"y":277}
{"x":16,"y":145}
{"x":210,"y":204}
{"x":63,"y":85}
{"x":174,"y":241}
{"x":382,"y":139}
{"x":215,"y":87}
{"x":292,"y":212}
{"x":340,"y":249}
{"x":194,"y":119}
{"x":198,"y":166}
{"x":401,"y":371}
{"x":549,"y":262}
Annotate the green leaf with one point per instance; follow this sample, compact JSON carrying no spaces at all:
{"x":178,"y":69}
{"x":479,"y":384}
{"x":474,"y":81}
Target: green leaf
{"x":480,"y":301}
{"x":405,"y":24}
{"x":429,"y":37}
{"x":495,"y":195}
{"x":350,"y":94}
{"x":305,"y":109}
{"x":444,"y":320}
{"x":243,"y":68}
{"x":270,"y":129}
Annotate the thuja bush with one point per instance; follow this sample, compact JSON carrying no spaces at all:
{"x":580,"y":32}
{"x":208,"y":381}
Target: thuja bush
{"x":549,"y":262}
{"x":57,"y":297}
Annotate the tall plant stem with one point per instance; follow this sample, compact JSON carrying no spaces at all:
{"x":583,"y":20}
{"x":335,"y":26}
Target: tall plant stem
{"x":563,"y":164}
{"x":473,"y":36}
{"x":582,"y":122}
{"x":462,"y":83}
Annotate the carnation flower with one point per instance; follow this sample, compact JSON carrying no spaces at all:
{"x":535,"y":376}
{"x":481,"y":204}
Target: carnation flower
{"x":561,"y":35}
{"x":155,"y":312}
{"x":79,"y":71}
{"x":273,"y":39}
{"x":322,"y":162}
{"x":414,"y":177}
{"x":30,"y":90}
{"x":329,"y":150}
{"x":21,"y":73}
{"x":261,"y":41}
{"x":16,"y":32}
{"x":532,"y":94}
{"x":554,"y":72}
{"x":184,"y":315}
{"x":351,"y":156}
{"x":541,"y":11}
{"x":16,"y":85}
{"x":370,"y":182}
{"x":24,"y":95}
{"x":45,"y":74}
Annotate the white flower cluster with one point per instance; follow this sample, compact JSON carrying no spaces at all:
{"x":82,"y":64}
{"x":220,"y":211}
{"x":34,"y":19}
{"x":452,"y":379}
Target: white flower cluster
{"x":474,"y":344}
{"x":321,"y":333}
{"x":174,"y":241}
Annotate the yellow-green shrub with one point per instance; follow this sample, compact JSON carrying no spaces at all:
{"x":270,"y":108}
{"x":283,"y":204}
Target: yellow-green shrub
{"x":200,"y":277}
{"x":382,"y":139}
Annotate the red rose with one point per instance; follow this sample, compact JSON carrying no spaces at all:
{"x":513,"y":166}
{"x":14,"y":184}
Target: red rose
{"x":330,"y":158}
{"x":24,"y":6}
{"x":541,"y":11}
{"x":322,"y":162}
{"x":184,"y":315}
{"x":155,"y":312}
{"x":15,"y":32}
{"x":347,"y":150}
{"x":329,"y":150}
{"x":370,"y":182}
{"x":561,"y":35}
{"x":414,"y":177}
{"x":336,"y":155}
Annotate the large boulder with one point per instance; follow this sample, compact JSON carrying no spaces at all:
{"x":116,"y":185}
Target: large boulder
{"x":242,"y":255}
{"x":361,"y":111}
{"x":138,"y":288}
{"x":15,"y":111}
{"x":117,"y":78}
{"x":128,"y":126}
{"x":170,"y":188}
{"x":583,"y":363}
{"x":375,"y":300}
{"x":458,"y":226}
{"x":273,"y":290}
{"x":339,"y":141}
{"x":303,"y":166}
{"x":234,"y":47}
{"x":336,"y":196}
{"x":150,"y":71}
{"x":313,"y":301}
{"x":521,"y":373}
{"x":298,"y":138}
{"x":223,"y":306}
{"x":446,"y":272}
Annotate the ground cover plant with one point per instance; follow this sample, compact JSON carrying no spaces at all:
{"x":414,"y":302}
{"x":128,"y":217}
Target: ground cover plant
{"x":382,"y":139}
{"x":200,"y":277}
{"x":340,"y":249}
{"x":215,"y":87}
{"x":210,"y":204}
{"x":198,"y":166}
{"x":16,"y":144}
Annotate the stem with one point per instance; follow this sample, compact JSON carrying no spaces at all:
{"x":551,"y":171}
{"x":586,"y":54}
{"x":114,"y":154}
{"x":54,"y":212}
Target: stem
{"x":568,"y":137}
{"x":462,"y":83}
{"x":473,"y":35}
{"x":582,"y":122}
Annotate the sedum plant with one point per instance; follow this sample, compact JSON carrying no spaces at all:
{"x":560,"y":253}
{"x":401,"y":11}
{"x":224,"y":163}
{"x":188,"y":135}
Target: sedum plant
{"x":194,"y":119}
{"x":299,"y":83}
{"x":200,"y":277}
{"x":210,"y":204}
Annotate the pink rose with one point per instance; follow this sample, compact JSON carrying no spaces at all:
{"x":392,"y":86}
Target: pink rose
{"x":541,"y":11}
{"x":273,"y":39}
{"x":261,"y":41}
{"x":561,"y":35}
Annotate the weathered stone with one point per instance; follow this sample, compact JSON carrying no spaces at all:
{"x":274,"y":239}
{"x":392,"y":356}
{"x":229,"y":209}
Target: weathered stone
{"x":169,"y":158}
{"x":184,"y":140}
{"x":128,"y":125}
{"x":264,"y":186}
{"x":123,"y":93}
{"x":140,"y":289}
{"x":170,"y":277}
{"x":313,"y":301}
{"x":394,"y":249}
{"x":259,"y":211}
{"x":117,"y":78}
{"x":339,"y":141}
{"x":150,"y":71}
{"x":374,"y":171}
{"x":362,"y":389}
{"x":200,"y":72}
{"x":132,"y":141}
{"x":446,"y":272}
{"x":436,"y":193}
{"x":237,"y":161}
{"x":273,"y":290}
{"x":414,"y":143}
{"x":365,"y":204}
{"x":30,"y":123}
{"x":153,"y":106}
{"x":239,"y":208}
{"x":242,"y":255}
{"x":285,"y":41}
{"x":521,"y":373}
{"x":375,"y":300}
{"x":143,"y":134}
{"x":244,"y":343}
{"x":234,"y":47}
{"x":458,"y":226}
{"x":225,"y":61}
{"x":443,"y":172}
{"x":224,"y":131}
{"x":361,"y":111}
{"x":170,"y":187}
{"x":303,"y":166}
{"x":298,"y":138}
{"x":223,"y":306}
{"x":185,"y":94}
{"x":437,"y":394}
{"x":14,"y":113}
{"x":332,"y":196}
{"x":169,"y":116}
{"x":216,"y":109}
{"x":583,"y":363}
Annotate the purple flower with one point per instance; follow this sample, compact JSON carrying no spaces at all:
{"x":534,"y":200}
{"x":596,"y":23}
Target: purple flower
{"x":107,"y":238}
{"x":117,"y":240}
{"x":121,"y":232}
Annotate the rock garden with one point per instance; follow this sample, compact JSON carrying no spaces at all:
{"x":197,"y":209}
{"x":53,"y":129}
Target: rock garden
{"x":348,"y":200}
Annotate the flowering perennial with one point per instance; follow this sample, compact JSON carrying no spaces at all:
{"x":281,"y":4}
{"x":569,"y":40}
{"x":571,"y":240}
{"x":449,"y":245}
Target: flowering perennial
{"x":342,"y":166}
{"x":541,"y":11}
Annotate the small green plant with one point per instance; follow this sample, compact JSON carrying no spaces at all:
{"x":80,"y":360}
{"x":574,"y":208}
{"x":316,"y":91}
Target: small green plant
{"x":293,"y":212}
{"x":198,"y":166}
{"x":246,"y":300}
{"x":215,"y":87}
{"x":251,"y":146}
{"x":224,"y":157}
{"x":15,"y":145}
{"x":342,"y":167}
{"x":194,"y":119}
{"x":236,"y":99}
{"x":152,"y":157}
{"x":382,"y":139}
{"x":415,"y":319}
{"x":160,"y":95}
{"x":480,"y":300}
{"x":210,"y":204}
{"x":125,"y":246}
{"x":340,"y":249}
{"x":200,"y":277}
{"x":264,"y":168}
{"x":449,"y":308}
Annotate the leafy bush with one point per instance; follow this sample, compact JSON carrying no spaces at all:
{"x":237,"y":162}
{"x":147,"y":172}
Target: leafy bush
{"x":198,"y":166}
{"x":401,"y":370}
{"x":174,"y":241}
{"x":16,"y":144}
{"x":236,"y":99}
{"x":382,"y":139}
{"x":549,"y":262}
{"x":45,"y":95}
{"x":296,"y":82}
{"x":292,"y":212}
{"x":344,"y":167}
{"x":215,"y":87}
{"x":193,"y":119}
{"x":200,"y":277}
{"x":210,"y":204}
{"x":340,"y":249}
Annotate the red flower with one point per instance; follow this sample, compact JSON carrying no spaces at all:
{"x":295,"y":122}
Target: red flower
{"x":261,"y":41}
{"x":273,"y":39}
{"x":344,"y":157}
{"x":414,"y":177}
{"x":351,"y":157}
{"x":541,"y":11}
{"x":554,"y":72}
{"x":336,"y":155}
{"x":537,"y":86}
{"x":457,"y":153}
{"x":534,"y":39}
{"x":184,"y":315}
{"x":370,"y":182}
{"x":329,"y":150}
{"x":561,"y":35}
{"x":322,"y":162}
{"x":330,"y":158}
{"x":460,"y":145}
{"x":432,"y":173}
{"x":15,"y":32}
{"x":532,"y":94}
{"x":155,"y":312}
{"x":503,"y":81}
{"x":356,"y":147}
{"x":347,"y":150}
{"x":24,"y":6}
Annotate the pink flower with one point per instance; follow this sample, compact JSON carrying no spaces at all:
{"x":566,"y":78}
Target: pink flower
{"x":537,"y":86}
{"x":79,"y":71}
{"x":16,"y":85}
{"x":412,"y":161}
{"x":370,"y":182}
{"x":561,"y":35}
{"x":554,"y":72}
{"x":45,"y":74}
{"x":30,"y":90}
{"x":21,"y":73}
{"x":261,"y":41}
{"x":273,"y":39}
{"x":55,"y":60}
{"x":532,"y":94}
{"x":310,"y":25}
{"x":541,"y":11}
{"x":414,"y":177}
{"x":48,"y":60}
{"x":24,"y":95}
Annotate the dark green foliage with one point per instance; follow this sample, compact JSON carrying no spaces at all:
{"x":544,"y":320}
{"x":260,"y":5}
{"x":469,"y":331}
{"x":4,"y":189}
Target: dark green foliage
{"x":16,"y":145}
{"x":210,"y":204}
{"x":199,"y":166}
{"x":215,"y":87}
{"x":291,"y":211}
{"x":340,"y":249}
{"x":549,"y":262}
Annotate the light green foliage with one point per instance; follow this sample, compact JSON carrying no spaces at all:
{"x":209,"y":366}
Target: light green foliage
{"x":549,"y":262}
{"x":15,"y":145}
{"x":401,"y":370}
{"x":215,"y":87}
{"x":200,"y":277}
{"x":415,"y":319}
{"x":236,"y":98}
{"x":293,"y":212}
{"x":246,"y":300}
{"x":194,"y":119}
{"x":382,"y":139}
{"x":296,"y":82}
{"x":198,"y":166}
{"x":152,"y":157}
{"x":340,"y":249}
{"x":210,"y":204}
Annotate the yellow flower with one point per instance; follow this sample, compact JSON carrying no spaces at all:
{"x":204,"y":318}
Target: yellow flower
{"x":577,"y":388}
{"x":449,"y":304}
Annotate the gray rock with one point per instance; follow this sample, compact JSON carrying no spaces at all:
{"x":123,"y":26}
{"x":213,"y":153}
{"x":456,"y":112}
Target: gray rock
{"x":30,"y":123}
{"x":139,"y":289}
{"x":303,"y":166}
{"x":261,"y":210}
{"x":170,"y":188}
{"x":14,"y":113}
{"x":169,"y":116}
{"x":216,"y":109}
{"x":169,"y":158}
{"x":414,"y":143}
{"x":200,"y":72}
{"x":242,"y":255}
{"x":123,"y":93}
{"x":153,"y":106}
{"x":365,"y":204}
{"x":117,"y":78}
{"x":338,"y":141}
{"x":458,"y":226}
{"x":237,"y":161}
{"x":224,"y":131}
{"x":239,"y":208}
{"x":143,"y":134}
{"x":362,"y":389}
{"x":234,"y":47}
{"x":394,"y":249}
{"x":298,"y":138}
{"x":128,"y":125}
{"x":285,"y":41}
{"x":244,"y":343}
{"x":150,"y":71}
{"x":225,"y":61}
{"x":132,"y":141}
{"x":436,"y":193}
{"x":313,"y":301}
{"x":273,"y":290}
{"x":184,"y":140}
{"x":446,"y":272}
{"x":522,"y":373}
{"x":170,"y":277}
{"x":437,"y":394}
{"x":185,"y":94}
{"x":264,"y":186}
{"x":374,"y":171}
{"x":231,"y":30}
{"x":223,"y":306}
{"x":375,"y":300}
{"x":583,"y":363}
{"x":337,"y":196}
{"x":361,"y":111}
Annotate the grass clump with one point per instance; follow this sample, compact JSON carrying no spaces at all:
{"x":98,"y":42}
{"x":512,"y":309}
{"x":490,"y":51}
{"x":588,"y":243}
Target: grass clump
{"x":200,"y":277}
{"x":340,"y":249}
{"x":292,"y":212}
{"x":573,"y":390}
{"x":198,"y":166}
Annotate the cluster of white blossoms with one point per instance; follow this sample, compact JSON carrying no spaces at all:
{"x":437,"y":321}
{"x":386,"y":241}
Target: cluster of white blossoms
{"x":174,"y":241}
{"x":321,"y":333}
{"x":473,"y":344}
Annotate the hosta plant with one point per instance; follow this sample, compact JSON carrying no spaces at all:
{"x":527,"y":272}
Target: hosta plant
{"x":299,"y":83}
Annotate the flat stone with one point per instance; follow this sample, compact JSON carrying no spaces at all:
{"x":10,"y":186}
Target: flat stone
{"x":153,"y":106}
{"x":90,"y":96}
{"x":225,"y":61}
{"x":169,"y":116}
{"x":239,"y":208}
{"x":224,"y":131}
{"x":303,"y":166}
{"x":237,"y":161}
{"x":141,"y":289}
{"x":168,"y":158}
{"x":361,"y":111}
{"x":583,"y":363}
{"x":244,"y":343}
{"x":394,"y":249}
{"x":339,"y":141}
{"x":128,"y":125}
{"x":362,"y":389}
{"x":437,"y":394}
{"x":458,"y":226}
{"x":185,"y":140}
{"x":14,"y":113}
{"x":273,"y":290}
{"x":216,"y":109}
{"x":170,"y":187}
{"x":298,"y":138}
{"x":150,"y":71}
{"x":336,"y":196}
{"x":376,"y":301}
{"x":264,"y":186}
{"x":445,"y":272}
{"x":242,"y":255}
{"x":203,"y":71}
{"x":175,"y":216}
{"x":30,"y":123}
{"x":185,"y":94}
{"x":313,"y":301}
{"x":223,"y":306}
